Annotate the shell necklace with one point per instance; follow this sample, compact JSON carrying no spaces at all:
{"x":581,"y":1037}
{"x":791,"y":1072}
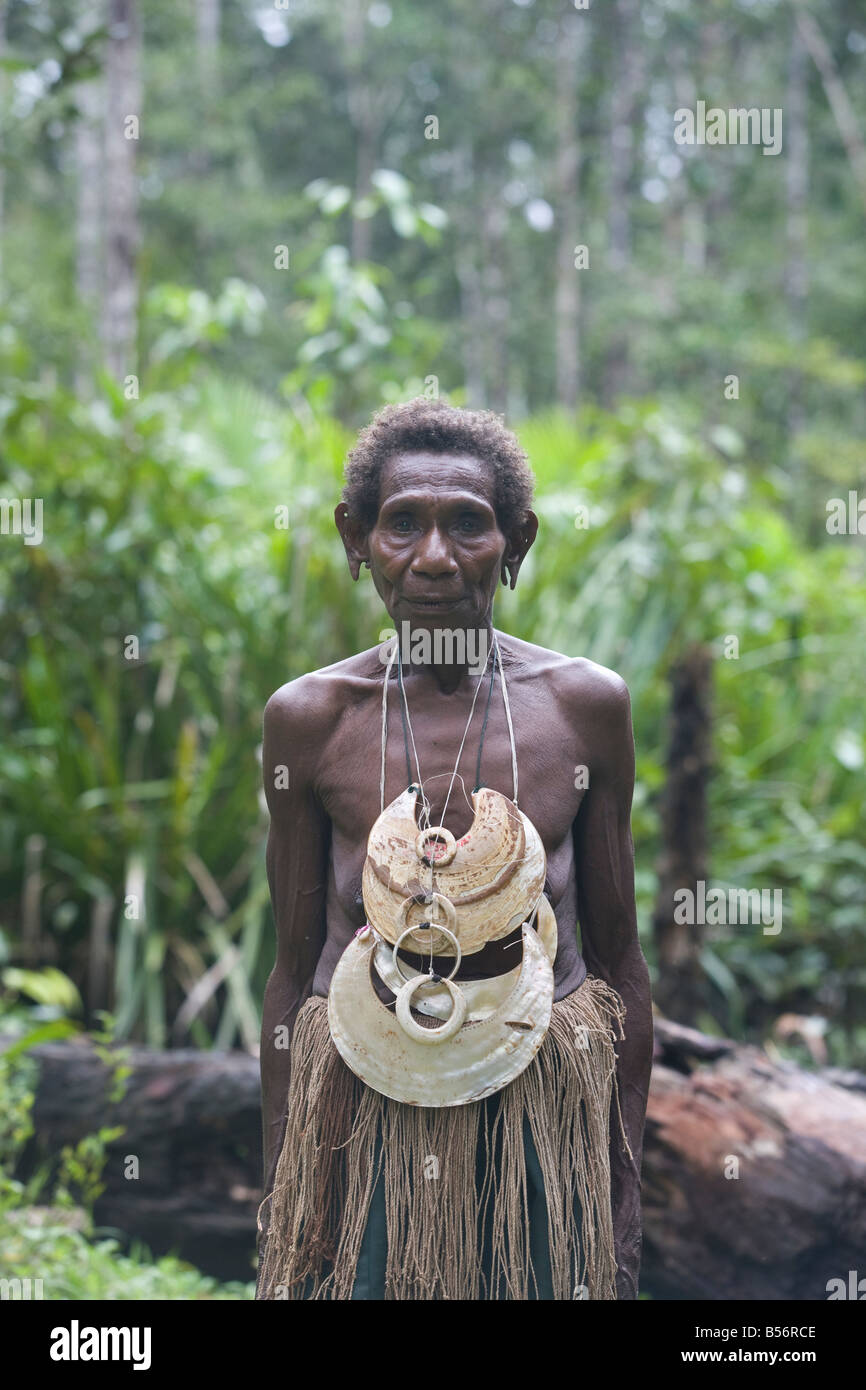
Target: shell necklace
{"x":491,"y":885}
{"x":429,"y":832}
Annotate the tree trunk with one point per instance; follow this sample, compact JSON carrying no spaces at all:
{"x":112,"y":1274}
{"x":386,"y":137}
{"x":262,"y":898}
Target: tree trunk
{"x":123,"y":114}
{"x":626,"y":83}
{"x":193,"y":1120}
{"x":471,"y":316}
{"x":494,"y":251}
{"x":834,"y":89}
{"x":796,"y":266}
{"x":472,"y":321}
{"x":754,"y":1177}
{"x":566,"y":177}
{"x":715,"y":44}
{"x":89,"y":214}
{"x":362,"y":112}
{"x":625,"y":90}
{"x":207,"y":35}
{"x":683,"y":861}
{"x":796,"y":187}
{"x":3,"y":91}
{"x":693,"y":221}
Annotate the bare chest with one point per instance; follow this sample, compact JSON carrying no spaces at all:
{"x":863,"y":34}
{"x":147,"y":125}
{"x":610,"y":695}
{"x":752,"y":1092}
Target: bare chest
{"x":552,"y":761}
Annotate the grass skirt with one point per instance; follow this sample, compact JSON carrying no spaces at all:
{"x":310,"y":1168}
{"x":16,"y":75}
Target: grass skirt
{"x":457,"y":1198}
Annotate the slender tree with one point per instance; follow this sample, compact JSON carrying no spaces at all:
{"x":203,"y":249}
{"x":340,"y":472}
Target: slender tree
{"x":207,"y":33}
{"x":680,"y":990}
{"x":3,"y":11}
{"x":89,"y":202}
{"x":572,"y":36}
{"x":796,"y":195}
{"x":837,"y":96}
{"x":122,"y":130}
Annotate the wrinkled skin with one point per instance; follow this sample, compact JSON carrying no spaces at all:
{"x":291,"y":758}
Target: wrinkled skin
{"x":437,"y":540}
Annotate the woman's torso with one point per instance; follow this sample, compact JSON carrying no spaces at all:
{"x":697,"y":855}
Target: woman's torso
{"x":550,"y":753}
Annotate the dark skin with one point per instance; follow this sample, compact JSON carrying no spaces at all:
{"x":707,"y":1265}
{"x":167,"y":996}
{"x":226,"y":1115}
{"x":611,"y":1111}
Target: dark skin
{"x":436,"y":556}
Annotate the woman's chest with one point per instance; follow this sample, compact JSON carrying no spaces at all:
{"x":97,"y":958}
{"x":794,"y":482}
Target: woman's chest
{"x":552,"y":771}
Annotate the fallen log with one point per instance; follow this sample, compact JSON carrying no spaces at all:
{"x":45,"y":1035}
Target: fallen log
{"x":754,"y":1179}
{"x":754,"y":1176}
{"x":191,"y":1119}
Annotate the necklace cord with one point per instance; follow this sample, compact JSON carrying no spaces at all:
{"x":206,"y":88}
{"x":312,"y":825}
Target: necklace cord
{"x":484,"y":724}
{"x":404,"y":709}
{"x":391,"y":657}
{"x":408,"y":734}
{"x":508,"y":721}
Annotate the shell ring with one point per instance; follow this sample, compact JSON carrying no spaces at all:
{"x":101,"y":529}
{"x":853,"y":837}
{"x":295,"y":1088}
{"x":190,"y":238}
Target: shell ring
{"x":398,"y":965}
{"x":445,"y":838}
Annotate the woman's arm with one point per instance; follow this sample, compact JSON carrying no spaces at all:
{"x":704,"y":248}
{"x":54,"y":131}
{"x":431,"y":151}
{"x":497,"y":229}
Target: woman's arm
{"x":297,"y":864}
{"x":604,"y":867}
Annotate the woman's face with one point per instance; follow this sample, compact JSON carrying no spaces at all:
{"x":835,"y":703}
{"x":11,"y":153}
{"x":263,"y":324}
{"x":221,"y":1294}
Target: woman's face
{"x":436,"y":551}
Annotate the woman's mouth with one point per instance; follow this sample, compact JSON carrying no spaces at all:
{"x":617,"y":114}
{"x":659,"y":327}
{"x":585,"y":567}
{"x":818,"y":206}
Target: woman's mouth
{"x":434,"y":605}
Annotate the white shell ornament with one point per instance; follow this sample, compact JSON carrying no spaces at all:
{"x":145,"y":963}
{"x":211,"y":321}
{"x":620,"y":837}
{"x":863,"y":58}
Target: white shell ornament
{"x":480,"y":887}
{"x":472,"y":1061}
{"x":430,"y":1037}
{"x":483,"y":996}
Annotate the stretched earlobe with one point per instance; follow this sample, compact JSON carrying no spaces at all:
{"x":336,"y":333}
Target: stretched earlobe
{"x":520,"y":540}
{"x":353,"y":538}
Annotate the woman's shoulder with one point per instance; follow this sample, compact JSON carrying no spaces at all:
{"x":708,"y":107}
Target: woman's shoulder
{"x":314,"y":700}
{"x":575,"y":677}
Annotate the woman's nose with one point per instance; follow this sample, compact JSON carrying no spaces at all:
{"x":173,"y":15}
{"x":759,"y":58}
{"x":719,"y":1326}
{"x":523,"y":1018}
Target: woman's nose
{"x":433,"y":554}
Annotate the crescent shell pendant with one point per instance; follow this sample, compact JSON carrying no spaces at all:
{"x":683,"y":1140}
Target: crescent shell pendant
{"x":492,"y":879}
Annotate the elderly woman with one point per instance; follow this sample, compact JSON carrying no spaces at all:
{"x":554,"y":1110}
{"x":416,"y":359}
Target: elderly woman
{"x":454,"y":1088}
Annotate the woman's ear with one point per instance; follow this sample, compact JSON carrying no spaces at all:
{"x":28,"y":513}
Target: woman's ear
{"x":354,"y":540}
{"x":519,"y":541}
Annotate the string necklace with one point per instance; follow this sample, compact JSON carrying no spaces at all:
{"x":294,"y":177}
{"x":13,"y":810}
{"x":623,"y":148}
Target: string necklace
{"x":425,"y":823}
{"x":409,"y":736}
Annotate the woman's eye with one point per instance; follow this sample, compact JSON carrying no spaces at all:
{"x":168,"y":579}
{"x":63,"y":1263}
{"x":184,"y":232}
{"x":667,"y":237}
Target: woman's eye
{"x":402,"y":523}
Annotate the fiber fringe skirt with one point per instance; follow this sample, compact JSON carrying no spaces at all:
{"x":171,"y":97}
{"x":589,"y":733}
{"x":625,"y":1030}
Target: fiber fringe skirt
{"x":461,"y":1191}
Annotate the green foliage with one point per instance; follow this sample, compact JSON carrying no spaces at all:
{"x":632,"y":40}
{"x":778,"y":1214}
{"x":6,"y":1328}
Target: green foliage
{"x":42,"y":1243}
{"x":48,"y":987}
{"x":682,"y":545}
{"x":342,"y":137}
{"x":16,"y":1124}
{"x":46,"y":1223}
{"x":115,"y":1058}
{"x":53,"y":991}
{"x":172,"y":600}
{"x":79,"y":1180}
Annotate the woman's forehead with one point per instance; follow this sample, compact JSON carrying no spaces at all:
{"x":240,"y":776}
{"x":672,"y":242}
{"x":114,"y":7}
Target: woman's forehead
{"x":425,"y":469}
